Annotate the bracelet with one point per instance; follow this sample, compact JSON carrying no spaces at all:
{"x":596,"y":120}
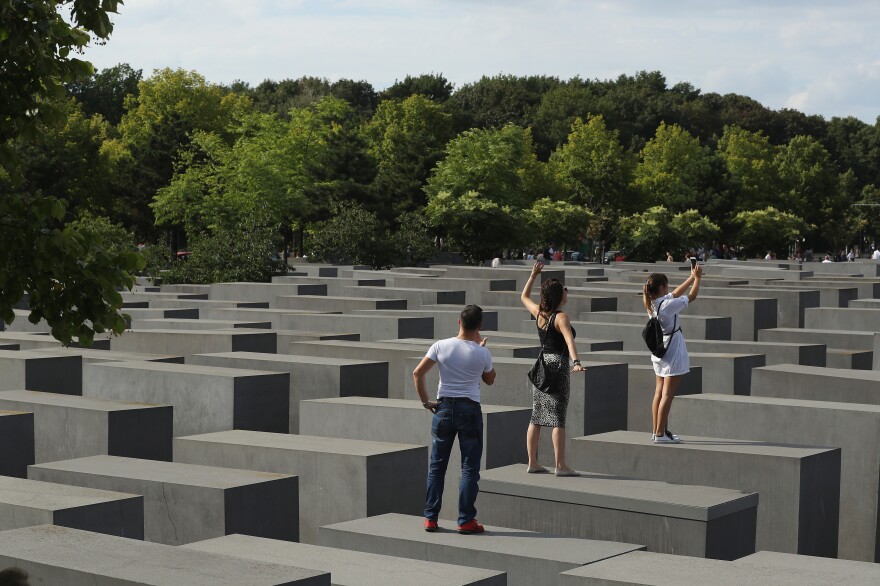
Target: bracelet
{"x":578,"y":362}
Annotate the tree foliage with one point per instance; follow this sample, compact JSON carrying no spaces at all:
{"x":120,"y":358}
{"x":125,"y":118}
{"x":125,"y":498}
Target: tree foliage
{"x":477,"y":226}
{"x":768,"y":229}
{"x":352,"y":235}
{"x":557,"y":221}
{"x":648,"y":236}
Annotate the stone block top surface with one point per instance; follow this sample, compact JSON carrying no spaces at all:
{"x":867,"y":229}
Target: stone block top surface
{"x":831,"y":405}
{"x":185,"y":369}
{"x":501,"y":540}
{"x":301,"y":443}
{"x":822,"y":371}
{"x":29,"y":355}
{"x":281,"y":359}
{"x":709,"y":444}
{"x":699,"y":503}
{"x":141,"y":562}
{"x":108,"y":355}
{"x":347,"y":567}
{"x":72,"y":401}
{"x":381,"y":402}
{"x":8,"y":413}
{"x":657,"y":569}
{"x":838,"y":571}
{"x":53,"y":497}
{"x":165,"y":472}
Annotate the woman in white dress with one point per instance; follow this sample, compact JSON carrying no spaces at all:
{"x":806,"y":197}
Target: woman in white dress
{"x":675,"y":363}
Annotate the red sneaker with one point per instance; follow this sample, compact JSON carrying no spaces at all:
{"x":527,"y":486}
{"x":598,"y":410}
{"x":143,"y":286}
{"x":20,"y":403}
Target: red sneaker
{"x":471,"y":527}
{"x":430,"y":526}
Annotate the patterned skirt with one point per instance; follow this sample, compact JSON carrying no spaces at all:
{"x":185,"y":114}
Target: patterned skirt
{"x":548,"y":409}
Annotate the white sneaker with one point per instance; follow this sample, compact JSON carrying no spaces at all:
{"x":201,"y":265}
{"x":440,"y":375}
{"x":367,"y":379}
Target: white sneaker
{"x":653,"y":436}
{"x":662,"y":439}
{"x":671,"y":435}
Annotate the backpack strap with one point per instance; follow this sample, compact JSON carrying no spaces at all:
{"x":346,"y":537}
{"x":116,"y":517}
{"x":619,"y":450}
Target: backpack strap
{"x":675,"y":327}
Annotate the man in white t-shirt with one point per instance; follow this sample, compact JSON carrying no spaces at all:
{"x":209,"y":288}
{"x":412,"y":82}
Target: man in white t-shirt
{"x":876,"y":255}
{"x":463,"y":361}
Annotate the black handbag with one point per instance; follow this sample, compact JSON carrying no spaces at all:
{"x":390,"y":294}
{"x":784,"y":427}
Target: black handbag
{"x":542,"y":377}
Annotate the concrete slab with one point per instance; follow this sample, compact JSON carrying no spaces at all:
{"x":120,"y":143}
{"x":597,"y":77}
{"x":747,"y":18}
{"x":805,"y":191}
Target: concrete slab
{"x":774,"y":352}
{"x":25,"y":503}
{"x":60,"y":555}
{"x":401,"y":421}
{"x":70,"y":426}
{"x":840,"y":318}
{"x":848,"y":340}
{"x":851,"y":359}
{"x":196,"y":324}
{"x":310,"y":377}
{"x":700,"y":521}
{"x":339,"y":479}
{"x":188,"y":342}
{"x":90,"y":355}
{"x":350,"y":568}
{"x":831,"y":570}
{"x":854,"y":428}
{"x":185,"y":502}
{"x":799,"y":487}
{"x":370,"y":327}
{"x":722,"y":373}
{"x":414,"y":297}
{"x":40,"y":372}
{"x":338,"y":303}
{"x":29,"y":341}
{"x":817,"y":384}
{"x":653,"y":569}
{"x":703,"y":327}
{"x":528,"y":557}
{"x":16,"y":442}
{"x":205,"y":399}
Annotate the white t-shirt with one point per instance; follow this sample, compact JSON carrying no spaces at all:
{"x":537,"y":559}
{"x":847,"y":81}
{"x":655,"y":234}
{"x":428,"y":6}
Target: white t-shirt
{"x":461,"y":363}
{"x":876,"y":255}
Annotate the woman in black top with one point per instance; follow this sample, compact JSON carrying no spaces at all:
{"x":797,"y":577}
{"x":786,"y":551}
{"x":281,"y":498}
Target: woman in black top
{"x":548,"y":408}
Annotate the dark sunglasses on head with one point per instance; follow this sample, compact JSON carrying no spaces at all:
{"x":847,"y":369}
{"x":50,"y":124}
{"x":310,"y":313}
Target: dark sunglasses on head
{"x":565,"y":288}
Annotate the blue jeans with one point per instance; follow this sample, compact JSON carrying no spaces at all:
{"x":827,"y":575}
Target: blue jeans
{"x":462,"y":418}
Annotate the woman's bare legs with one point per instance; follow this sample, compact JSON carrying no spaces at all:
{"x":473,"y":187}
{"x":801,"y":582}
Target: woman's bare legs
{"x":532,"y":437}
{"x":670,"y":383}
{"x":655,"y":404}
{"x":559,"y":448}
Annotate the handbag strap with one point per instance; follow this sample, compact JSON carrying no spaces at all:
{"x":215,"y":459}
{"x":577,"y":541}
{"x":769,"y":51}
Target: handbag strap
{"x":542,"y":332}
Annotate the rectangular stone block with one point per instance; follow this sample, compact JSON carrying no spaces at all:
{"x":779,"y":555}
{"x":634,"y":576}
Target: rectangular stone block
{"x":848,"y":340}
{"x":851,"y":359}
{"x":853,"y":428}
{"x":750,"y":314}
{"x":29,"y":341}
{"x":843,"y":318}
{"x":699,"y":521}
{"x":40,"y":372}
{"x":788,"y":381}
{"x":90,"y":355}
{"x":799,"y":487}
{"x":16,"y":442}
{"x":339,"y":479}
{"x":654,"y":569}
{"x":577,"y":304}
{"x":812,"y":569}
{"x":370,"y":327}
{"x":722,"y":373}
{"x":187,"y":343}
{"x":395,"y":420}
{"x":597,"y":403}
{"x":274,"y":316}
{"x":529,"y":558}
{"x":445,"y":318}
{"x":791,"y":305}
{"x":205,"y":398}
{"x":310,"y":377}
{"x":414,"y":297}
{"x":774,"y":352}
{"x":69,"y":426}
{"x":702,"y":327}
{"x":347,"y":567}
{"x":196,"y":324}
{"x":185,"y":502}
{"x":60,"y":555}
{"x":265,"y":292}
{"x":25,"y":503}
{"x":341,"y":304}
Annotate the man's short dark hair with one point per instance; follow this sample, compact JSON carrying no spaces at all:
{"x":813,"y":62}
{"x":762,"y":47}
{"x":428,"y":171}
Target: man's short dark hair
{"x":471,"y":317}
{"x":13,"y":577}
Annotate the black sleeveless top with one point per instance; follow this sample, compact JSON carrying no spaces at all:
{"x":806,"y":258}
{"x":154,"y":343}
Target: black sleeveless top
{"x":554,"y":341}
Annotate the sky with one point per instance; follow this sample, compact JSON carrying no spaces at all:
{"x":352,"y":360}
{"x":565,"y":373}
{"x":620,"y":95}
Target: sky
{"x":817,"y":56}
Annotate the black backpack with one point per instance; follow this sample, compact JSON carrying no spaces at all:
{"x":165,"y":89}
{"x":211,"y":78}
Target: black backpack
{"x":653,"y":334}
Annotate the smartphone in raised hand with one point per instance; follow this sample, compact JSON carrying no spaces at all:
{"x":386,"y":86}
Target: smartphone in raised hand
{"x":693,"y":263}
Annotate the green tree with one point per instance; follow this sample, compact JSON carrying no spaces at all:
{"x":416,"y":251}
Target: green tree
{"x":69,"y":278}
{"x":650,"y":235}
{"x":406,"y":139}
{"x":593,"y":167}
{"x":411,"y":239}
{"x":493,"y":102}
{"x":476,"y":226}
{"x":558,"y":221}
{"x":749,"y":160}
{"x":499,"y":165}
{"x":768,"y":229}
{"x":104,"y":92}
{"x":433,"y":86}
{"x":675,"y":170}
{"x":693,"y":230}
{"x":352,"y":235}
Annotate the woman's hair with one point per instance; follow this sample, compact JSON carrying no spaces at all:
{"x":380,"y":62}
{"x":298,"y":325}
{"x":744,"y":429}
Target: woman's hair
{"x":551,"y":295}
{"x":652,"y":288}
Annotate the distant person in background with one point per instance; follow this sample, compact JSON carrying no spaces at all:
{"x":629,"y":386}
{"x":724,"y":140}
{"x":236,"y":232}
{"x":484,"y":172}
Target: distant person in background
{"x":676,"y":362}
{"x":464,"y":360}
{"x":669,"y":257}
{"x":851,"y":256}
{"x":826,"y":259}
{"x":496,"y":262}
{"x":876,"y":254}
{"x":769,"y":255}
